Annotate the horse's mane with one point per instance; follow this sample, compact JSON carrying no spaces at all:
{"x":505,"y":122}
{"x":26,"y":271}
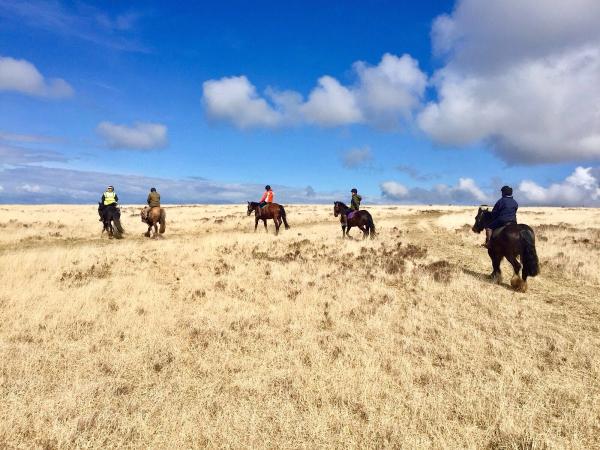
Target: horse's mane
{"x":342,"y":204}
{"x":486,"y":213}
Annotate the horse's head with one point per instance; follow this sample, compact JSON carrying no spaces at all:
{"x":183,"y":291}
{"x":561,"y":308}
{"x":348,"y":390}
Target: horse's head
{"x":251,"y":207}
{"x":481,"y":219}
{"x":336,"y":209}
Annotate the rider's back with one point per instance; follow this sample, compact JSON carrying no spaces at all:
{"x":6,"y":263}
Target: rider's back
{"x":505,"y":210}
{"x":153,"y":199}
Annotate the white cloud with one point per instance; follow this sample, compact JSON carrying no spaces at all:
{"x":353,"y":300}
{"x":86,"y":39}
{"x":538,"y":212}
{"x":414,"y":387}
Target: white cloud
{"x":39,"y":184}
{"x":140,"y":136}
{"x":331,"y":104}
{"x":393,"y":190}
{"x":520,"y":75}
{"x":31,"y":188}
{"x":581,"y":188}
{"x":385,"y":95}
{"x":390,"y":90}
{"x":357,"y":157}
{"x":19,"y":75}
{"x":235,"y":99}
{"x":28,"y":138}
{"x":76,"y":20}
{"x":468,"y":186}
{"x":11,"y":154}
{"x":465,"y":191}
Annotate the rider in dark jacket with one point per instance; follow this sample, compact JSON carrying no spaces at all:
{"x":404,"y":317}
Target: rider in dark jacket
{"x":504,"y":212}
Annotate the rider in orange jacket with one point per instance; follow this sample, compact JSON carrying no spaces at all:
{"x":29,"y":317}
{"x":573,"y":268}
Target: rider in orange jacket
{"x":267,"y":197}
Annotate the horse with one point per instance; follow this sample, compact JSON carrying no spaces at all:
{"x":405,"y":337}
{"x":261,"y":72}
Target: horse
{"x":270,"y":211}
{"x":361,"y":219}
{"x":153,"y":217}
{"x":111,"y":215}
{"x":512,"y":241}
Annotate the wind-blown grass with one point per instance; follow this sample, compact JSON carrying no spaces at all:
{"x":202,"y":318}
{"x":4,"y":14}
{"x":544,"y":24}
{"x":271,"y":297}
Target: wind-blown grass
{"x":216,"y":336}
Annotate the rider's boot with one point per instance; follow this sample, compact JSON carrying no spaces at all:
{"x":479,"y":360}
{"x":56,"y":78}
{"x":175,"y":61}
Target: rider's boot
{"x":488,"y":236}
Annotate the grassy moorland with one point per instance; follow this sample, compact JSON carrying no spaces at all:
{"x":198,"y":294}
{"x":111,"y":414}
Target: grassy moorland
{"x":219,"y":337}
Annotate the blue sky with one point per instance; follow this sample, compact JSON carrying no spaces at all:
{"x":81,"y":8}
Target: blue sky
{"x":414,"y":102}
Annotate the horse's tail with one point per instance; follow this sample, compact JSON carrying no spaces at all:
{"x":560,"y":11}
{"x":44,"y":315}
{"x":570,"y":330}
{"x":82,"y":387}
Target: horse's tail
{"x":529,"y":258}
{"x":283,"y":217}
{"x":371,"y":225}
{"x":162,"y":221}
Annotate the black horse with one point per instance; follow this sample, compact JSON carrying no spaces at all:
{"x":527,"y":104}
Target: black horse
{"x":111,"y":215}
{"x":361,"y":219}
{"x":514,"y":240}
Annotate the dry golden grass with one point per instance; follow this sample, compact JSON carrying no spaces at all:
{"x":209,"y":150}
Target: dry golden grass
{"x":218,"y":337}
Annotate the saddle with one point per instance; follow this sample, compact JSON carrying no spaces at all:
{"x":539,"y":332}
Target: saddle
{"x":351,"y":214}
{"x":497,"y":231}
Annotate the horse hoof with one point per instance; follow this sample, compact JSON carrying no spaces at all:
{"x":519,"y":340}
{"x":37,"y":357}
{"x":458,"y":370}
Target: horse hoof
{"x":515,"y":281}
{"x":496,"y":278}
{"x":518,"y":284}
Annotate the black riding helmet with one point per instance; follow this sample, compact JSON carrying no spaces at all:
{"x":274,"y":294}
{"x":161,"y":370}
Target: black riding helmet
{"x":267,"y":187}
{"x":354,"y":191}
{"x":506,"y":190}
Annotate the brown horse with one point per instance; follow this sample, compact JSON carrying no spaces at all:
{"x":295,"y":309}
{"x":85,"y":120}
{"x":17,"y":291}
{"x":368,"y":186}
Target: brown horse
{"x":270,"y":211}
{"x":153,"y":218}
{"x":514,"y":240}
{"x":361,"y":219}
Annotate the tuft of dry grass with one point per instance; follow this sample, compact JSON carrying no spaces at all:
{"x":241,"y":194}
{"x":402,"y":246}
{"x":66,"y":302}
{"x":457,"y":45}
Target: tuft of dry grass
{"x":217,"y":336}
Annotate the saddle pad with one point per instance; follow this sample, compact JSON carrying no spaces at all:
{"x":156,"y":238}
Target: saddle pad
{"x":351,"y":214}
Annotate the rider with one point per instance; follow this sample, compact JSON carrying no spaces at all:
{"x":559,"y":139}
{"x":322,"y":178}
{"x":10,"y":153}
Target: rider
{"x":354,"y":203}
{"x":267,"y":197}
{"x":504,"y":212}
{"x":153,"y":201}
{"x":108,"y":198}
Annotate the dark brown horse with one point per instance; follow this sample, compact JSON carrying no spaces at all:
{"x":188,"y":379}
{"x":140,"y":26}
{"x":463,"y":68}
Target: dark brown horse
{"x":270,"y":211}
{"x":514,"y":240}
{"x":111,"y":220}
{"x":154,"y":217}
{"x":361,"y":219}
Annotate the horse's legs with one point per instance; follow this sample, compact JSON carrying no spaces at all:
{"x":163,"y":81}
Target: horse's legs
{"x":147,"y":233}
{"x":516,"y":281}
{"x":365,"y":231}
{"x":277,"y":221}
{"x":265,"y":222}
{"x":496,"y":274}
{"x":343,"y":231}
{"x":516,"y":265}
{"x":255,"y":223}
{"x":348,"y":230}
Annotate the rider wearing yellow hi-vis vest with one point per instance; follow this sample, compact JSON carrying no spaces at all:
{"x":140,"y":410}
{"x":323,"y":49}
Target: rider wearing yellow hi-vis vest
{"x":108,"y":198}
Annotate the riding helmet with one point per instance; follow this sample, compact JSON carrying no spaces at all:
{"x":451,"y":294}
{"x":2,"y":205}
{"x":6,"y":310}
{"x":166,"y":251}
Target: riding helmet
{"x":152,"y":189}
{"x":354,"y":191}
{"x":506,"y":190}
{"x":267,"y":187}
{"x":110,"y":187}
